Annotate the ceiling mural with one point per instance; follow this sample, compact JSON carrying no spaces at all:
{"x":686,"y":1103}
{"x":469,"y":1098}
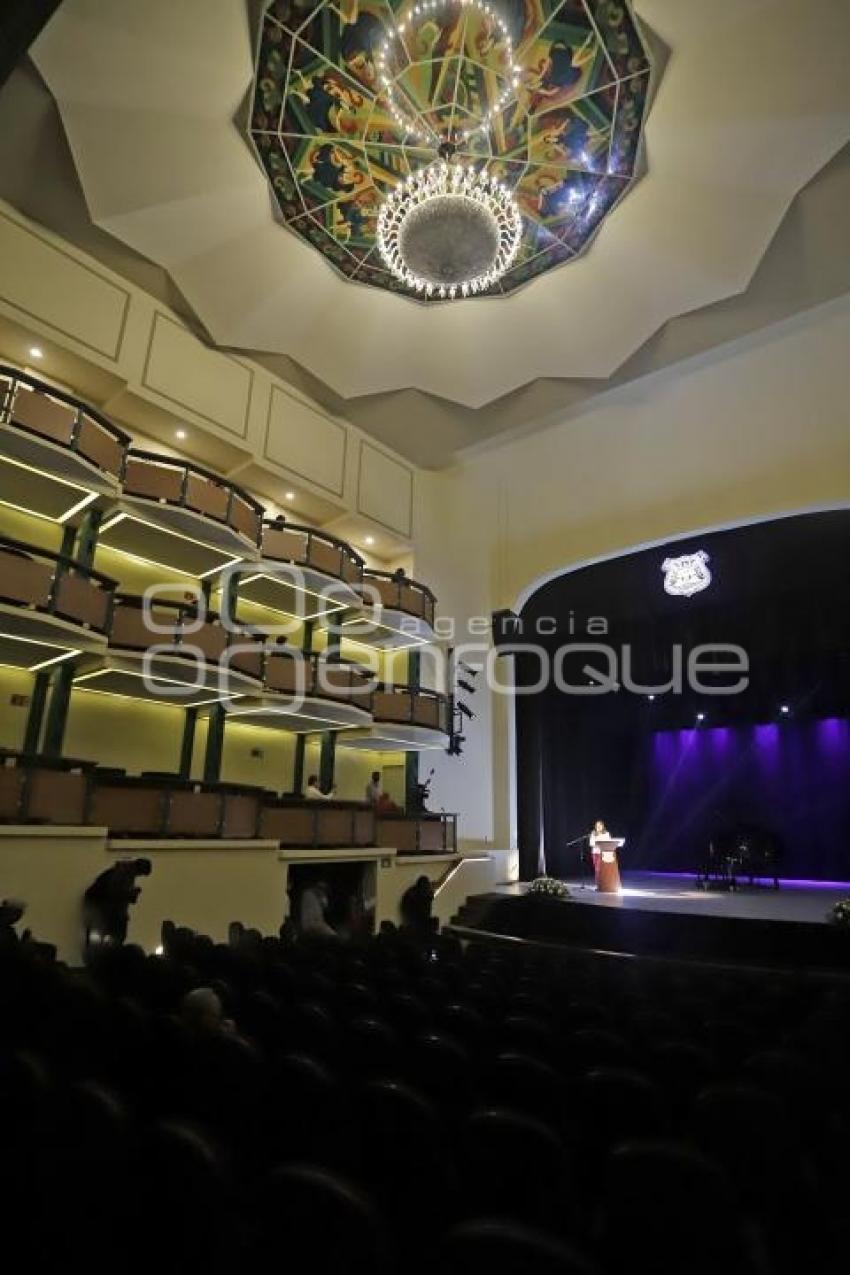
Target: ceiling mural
{"x":563,"y":134}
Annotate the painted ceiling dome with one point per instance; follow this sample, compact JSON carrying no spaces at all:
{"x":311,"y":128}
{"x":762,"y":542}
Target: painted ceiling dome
{"x":351,"y":98}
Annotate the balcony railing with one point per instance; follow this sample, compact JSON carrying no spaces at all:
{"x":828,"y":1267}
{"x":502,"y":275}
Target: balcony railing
{"x":307,"y":547}
{"x":175,"y":624}
{"x":297,"y":673}
{"x":423,"y":833}
{"x":43,"y":789}
{"x":57,"y":417}
{"x":38,"y":580}
{"x":155,"y":805}
{"x":400,"y":593}
{"x":294,"y":822}
{"x":183,"y":485}
{"x":411,"y":707}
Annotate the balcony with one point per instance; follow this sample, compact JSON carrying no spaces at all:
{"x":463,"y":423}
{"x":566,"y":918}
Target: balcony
{"x":423,"y":833}
{"x":306,"y":692}
{"x":405,"y":719}
{"x":51,"y":608}
{"x":203,"y":662}
{"x":317,"y":824}
{"x":165,"y":806}
{"x":395,"y":613}
{"x":303,"y":573}
{"x":43,"y":790}
{"x":58,"y":455}
{"x":176,"y":515}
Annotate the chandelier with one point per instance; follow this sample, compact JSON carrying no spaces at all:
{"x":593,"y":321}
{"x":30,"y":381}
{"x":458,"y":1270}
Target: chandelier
{"x":451,"y":229}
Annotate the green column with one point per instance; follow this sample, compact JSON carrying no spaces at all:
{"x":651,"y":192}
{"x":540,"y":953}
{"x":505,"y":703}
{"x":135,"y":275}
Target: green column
{"x":414,"y":669}
{"x":187,"y":745}
{"x":57,"y":711}
{"x":87,"y":538}
{"x":327,"y":760}
{"x":35,"y":717}
{"x":215,"y":744}
{"x":298,"y":765}
{"x":411,"y":782}
{"x":69,"y":536}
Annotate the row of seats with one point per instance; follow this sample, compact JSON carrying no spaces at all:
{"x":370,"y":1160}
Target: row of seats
{"x":62,"y":791}
{"x":405,"y":1105}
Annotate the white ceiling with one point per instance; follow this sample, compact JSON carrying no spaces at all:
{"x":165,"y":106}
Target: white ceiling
{"x":753,"y":101}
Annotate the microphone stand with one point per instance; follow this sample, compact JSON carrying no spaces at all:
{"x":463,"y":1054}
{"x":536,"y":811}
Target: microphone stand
{"x":582,"y":885}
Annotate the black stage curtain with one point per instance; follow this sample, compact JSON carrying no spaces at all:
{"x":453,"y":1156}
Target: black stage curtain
{"x":590,"y":771}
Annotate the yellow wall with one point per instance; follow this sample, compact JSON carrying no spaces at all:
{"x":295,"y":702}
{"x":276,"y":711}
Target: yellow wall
{"x":30,"y":529}
{"x":13,"y":719}
{"x":116,"y":731}
{"x":204,"y":886}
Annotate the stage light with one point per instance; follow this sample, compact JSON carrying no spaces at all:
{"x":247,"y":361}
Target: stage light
{"x":369,"y":540}
{"x":700,"y":717}
{"x":785,"y":709}
{"x":180,"y":434}
{"x":36,"y":352}
{"x":650,"y":697}
{"x":290,"y":495}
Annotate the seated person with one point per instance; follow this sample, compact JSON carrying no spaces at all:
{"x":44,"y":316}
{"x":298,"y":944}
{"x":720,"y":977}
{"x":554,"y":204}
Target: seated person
{"x":314,"y":792}
{"x":374,"y":791}
{"x":312,"y":910}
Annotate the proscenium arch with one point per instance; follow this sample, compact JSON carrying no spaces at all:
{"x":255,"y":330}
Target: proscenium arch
{"x":668,"y":541}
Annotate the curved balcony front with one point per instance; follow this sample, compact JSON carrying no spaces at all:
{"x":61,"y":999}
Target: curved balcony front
{"x":395,"y":612}
{"x":405,"y":719}
{"x":165,"y":652}
{"x":305,"y":692}
{"x":175,"y":514}
{"x":58,"y":454}
{"x":303,"y":572}
{"x":51,"y":608}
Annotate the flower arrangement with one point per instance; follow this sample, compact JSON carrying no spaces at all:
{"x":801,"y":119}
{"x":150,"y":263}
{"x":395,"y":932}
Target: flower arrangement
{"x":549,"y":887}
{"x":840,"y":914}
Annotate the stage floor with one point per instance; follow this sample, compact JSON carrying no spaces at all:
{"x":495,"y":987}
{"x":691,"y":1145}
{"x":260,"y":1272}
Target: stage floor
{"x":806,"y":902}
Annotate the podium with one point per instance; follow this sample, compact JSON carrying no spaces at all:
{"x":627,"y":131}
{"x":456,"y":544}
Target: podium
{"x":606,"y":866}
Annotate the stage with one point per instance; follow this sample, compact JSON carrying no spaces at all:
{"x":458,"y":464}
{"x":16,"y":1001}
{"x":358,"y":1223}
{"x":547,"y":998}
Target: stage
{"x":670,"y":914}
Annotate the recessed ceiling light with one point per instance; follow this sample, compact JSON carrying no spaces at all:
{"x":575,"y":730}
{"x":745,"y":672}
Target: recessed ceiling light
{"x":180,"y":433}
{"x":36,"y":352}
{"x":369,"y":540}
{"x":290,"y":495}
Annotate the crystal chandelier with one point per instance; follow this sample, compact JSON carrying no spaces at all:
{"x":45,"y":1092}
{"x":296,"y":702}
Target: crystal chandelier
{"x":451,"y":229}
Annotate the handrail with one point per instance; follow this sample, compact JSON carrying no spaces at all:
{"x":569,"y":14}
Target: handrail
{"x":62,"y":560}
{"x":401,"y":580}
{"x":281,"y":524}
{"x":177,"y":462}
{"x":412,"y":695}
{"x":235,"y":499}
{"x":72,"y":401}
{"x":138,"y":639}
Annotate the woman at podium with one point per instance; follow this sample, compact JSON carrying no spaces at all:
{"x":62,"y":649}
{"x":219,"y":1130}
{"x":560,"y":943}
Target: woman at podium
{"x":603,"y":852}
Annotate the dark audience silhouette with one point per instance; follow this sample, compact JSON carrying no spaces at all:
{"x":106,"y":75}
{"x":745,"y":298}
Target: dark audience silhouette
{"x":407,"y":1104}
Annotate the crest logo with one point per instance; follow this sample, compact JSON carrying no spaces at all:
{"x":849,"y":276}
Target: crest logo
{"x":685,"y":576}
